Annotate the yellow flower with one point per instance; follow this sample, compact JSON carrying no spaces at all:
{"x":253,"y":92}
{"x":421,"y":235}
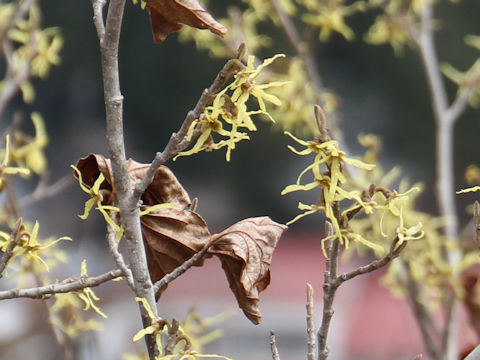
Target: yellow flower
{"x":327,"y":155}
{"x":29,"y":247}
{"x":385,"y":30}
{"x":412,"y":233}
{"x":87,"y":295}
{"x":96,"y":199}
{"x":156,"y":326}
{"x":329,"y":16}
{"x":65,"y":315}
{"x":5,"y":169}
{"x":471,"y":189}
{"x":32,"y":154}
{"x":229,"y":114}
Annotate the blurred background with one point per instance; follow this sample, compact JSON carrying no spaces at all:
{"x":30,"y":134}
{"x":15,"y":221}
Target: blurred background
{"x":380,"y":93}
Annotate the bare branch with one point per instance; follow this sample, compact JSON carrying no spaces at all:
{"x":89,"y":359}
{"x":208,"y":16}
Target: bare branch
{"x":12,"y":82}
{"x":14,"y":77}
{"x":300,"y":48}
{"x":459,"y":105}
{"x":117,"y":256}
{"x":67,"y":285}
{"x":445,"y":118}
{"x":329,"y":290}
{"x":374,"y":265}
{"x":332,"y":283}
{"x":177,"y":141}
{"x":311,"y":345}
{"x":476,"y":221}
{"x":98,"y":21}
{"x":428,"y":328}
{"x":168,"y":278}
{"x":273,"y":346}
{"x":128,"y":205}
{"x":14,"y":236}
{"x":43,"y":191}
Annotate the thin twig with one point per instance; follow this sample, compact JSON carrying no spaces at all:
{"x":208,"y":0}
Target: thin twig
{"x":329,"y":290}
{"x":67,"y":285}
{"x":117,"y":256}
{"x":12,"y":83}
{"x":273,"y":346}
{"x":332,"y":282}
{"x":476,"y":221}
{"x":8,"y":253}
{"x":301,"y":48}
{"x":311,"y":344}
{"x":449,"y":309}
{"x":98,"y":21}
{"x":424,"y":319}
{"x":445,"y":171}
{"x":14,"y":77}
{"x":374,"y":265}
{"x":43,"y":191}
{"x":168,"y":278}
{"x":177,"y":141}
{"x":445,"y":118}
{"x":460,"y":104}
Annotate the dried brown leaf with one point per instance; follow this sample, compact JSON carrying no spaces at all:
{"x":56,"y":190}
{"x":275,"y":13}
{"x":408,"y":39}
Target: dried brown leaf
{"x":168,"y":16}
{"x":165,"y":188}
{"x":245,"y":250}
{"x":172,"y":236}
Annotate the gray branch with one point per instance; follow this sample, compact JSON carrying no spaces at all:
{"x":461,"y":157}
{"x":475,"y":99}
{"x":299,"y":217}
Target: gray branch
{"x":109,"y":36}
{"x":273,"y":346}
{"x":8,"y":253}
{"x":68,"y":285}
{"x":168,"y":278}
{"x":311,"y":344}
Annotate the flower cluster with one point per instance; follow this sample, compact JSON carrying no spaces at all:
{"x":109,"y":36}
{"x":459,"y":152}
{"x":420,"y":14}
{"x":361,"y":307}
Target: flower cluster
{"x":179,"y":342}
{"x":37,"y":50}
{"x":327,"y":170}
{"x":424,"y":261}
{"x":330,"y":16}
{"x":229,"y":114}
{"x":34,"y":257}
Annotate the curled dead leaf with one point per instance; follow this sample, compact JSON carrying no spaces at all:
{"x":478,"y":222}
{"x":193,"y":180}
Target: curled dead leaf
{"x":168,"y":16}
{"x":165,"y":188}
{"x":245,"y":250}
{"x":172,"y":236}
